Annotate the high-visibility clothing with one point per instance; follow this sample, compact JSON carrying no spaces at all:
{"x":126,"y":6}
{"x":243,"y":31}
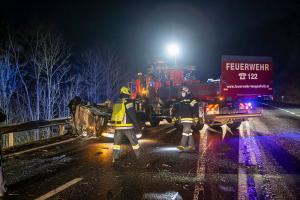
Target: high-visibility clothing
{"x":130,"y":134}
{"x":186,"y":120}
{"x":118,"y":113}
{"x":129,"y":119}
{"x":117,"y":147}
{"x":186,"y":110}
{"x":187,"y":140}
{"x":137,"y":146}
{"x":125,"y":127}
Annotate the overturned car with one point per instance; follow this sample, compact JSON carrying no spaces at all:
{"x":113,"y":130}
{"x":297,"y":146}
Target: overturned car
{"x":92,"y":119}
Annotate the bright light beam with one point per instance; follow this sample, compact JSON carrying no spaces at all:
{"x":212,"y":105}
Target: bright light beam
{"x":173,"y":49}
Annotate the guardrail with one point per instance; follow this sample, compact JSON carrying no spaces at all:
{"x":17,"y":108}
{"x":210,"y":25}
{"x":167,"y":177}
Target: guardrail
{"x":100,"y":118}
{"x":10,"y":129}
{"x":87,"y":118}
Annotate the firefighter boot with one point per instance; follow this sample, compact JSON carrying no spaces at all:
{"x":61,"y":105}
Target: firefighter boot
{"x":183,"y":142}
{"x":137,"y":153}
{"x":116,"y":155}
{"x":181,"y":148}
{"x":191,"y":143}
{"x":137,"y":150}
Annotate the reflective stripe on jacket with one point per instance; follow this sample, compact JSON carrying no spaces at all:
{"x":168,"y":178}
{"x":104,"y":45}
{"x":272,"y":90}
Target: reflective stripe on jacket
{"x":186,"y":110}
{"x":130,"y":119}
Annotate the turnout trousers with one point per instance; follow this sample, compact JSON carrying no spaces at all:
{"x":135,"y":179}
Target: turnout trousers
{"x":187,"y":140}
{"x":131,"y":136}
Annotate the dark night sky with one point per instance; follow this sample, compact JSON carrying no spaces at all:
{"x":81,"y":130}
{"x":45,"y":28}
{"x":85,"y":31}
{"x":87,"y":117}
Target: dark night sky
{"x":205,"y":30}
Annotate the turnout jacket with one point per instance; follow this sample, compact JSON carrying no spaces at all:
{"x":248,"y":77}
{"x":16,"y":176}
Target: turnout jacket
{"x":186,"y":110}
{"x":130,"y":119}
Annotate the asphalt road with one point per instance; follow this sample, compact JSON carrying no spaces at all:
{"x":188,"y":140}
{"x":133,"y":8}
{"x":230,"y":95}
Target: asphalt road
{"x":260,"y":161}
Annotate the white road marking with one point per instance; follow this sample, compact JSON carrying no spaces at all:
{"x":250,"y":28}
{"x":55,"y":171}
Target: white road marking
{"x":281,"y":109}
{"x":42,"y":147}
{"x":173,"y":129}
{"x":269,"y":183}
{"x":163,"y":195}
{"x":242,"y":184}
{"x":59,"y":189}
{"x":201,"y":162}
{"x":248,"y":146}
{"x":242,"y":175}
{"x":255,"y":160}
{"x":174,"y":197}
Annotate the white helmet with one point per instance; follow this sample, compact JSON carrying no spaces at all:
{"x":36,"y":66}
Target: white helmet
{"x":185,"y":89}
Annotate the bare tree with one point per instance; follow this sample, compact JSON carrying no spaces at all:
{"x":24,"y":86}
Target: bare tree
{"x":35,"y":75}
{"x":42,"y":72}
{"x":114,"y":76}
{"x":50,"y":60}
{"x":8,"y":82}
{"x":69,"y":92}
{"x":91,"y":65}
{"x":102,"y":72}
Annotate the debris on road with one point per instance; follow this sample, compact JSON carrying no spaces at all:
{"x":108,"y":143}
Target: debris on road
{"x":166,"y":166}
{"x":186,"y":187}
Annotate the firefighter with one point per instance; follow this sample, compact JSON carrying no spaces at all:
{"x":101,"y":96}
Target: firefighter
{"x":186,"y":111}
{"x":125,"y":119}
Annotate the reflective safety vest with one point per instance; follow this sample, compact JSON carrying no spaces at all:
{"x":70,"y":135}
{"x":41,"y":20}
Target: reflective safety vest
{"x":119,"y":112}
{"x":119,"y":115}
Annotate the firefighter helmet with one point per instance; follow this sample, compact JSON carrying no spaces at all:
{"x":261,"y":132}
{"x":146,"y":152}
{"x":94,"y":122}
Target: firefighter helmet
{"x":125,"y":90}
{"x":185,"y":89}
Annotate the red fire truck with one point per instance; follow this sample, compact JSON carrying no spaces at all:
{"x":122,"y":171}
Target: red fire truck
{"x":228,"y":100}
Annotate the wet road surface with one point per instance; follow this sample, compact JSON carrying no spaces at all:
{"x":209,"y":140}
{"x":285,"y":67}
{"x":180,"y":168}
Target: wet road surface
{"x":259,"y":161}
